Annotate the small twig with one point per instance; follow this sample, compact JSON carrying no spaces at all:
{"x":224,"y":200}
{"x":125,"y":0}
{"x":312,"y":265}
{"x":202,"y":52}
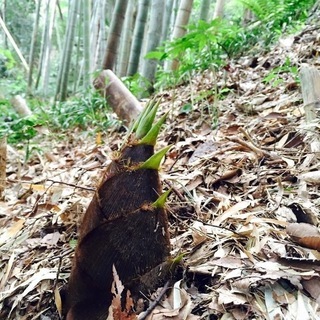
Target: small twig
{"x":251,"y":146}
{"x":246,"y":134}
{"x":307,"y":30}
{"x":144,"y":315}
{"x":53,"y":182}
{"x":67,"y":252}
{"x":58,"y":272}
{"x":72,"y":185}
{"x":175,"y":161}
{"x":175,"y":190}
{"x":39,"y":197}
{"x":205,"y":234}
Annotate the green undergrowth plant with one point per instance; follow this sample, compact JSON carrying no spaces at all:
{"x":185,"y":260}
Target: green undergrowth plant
{"x":138,"y":85}
{"x":209,"y":45}
{"x":206,"y":45}
{"x":7,"y":63}
{"x":275,"y":76}
{"x":20,"y":131}
{"x":17,"y":129}
{"x":279,"y":16}
{"x":88,"y":113}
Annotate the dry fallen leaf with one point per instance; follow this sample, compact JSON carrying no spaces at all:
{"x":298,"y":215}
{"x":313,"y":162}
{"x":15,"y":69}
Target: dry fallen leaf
{"x":12,"y":231}
{"x":31,"y":284}
{"x":234,"y":210}
{"x":311,"y":177}
{"x":58,"y":301}
{"x":305,"y":234}
{"x":313,"y":287}
{"x":177,"y":306}
{"x":51,"y":239}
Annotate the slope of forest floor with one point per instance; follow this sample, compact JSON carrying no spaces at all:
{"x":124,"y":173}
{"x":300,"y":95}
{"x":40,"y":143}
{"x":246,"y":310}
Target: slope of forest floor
{"x":239,"y":170}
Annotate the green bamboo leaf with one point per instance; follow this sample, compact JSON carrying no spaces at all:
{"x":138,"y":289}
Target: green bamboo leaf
{"x":146,"y":121}
{"x":160,"y":202}
{"x":154,"y":161}
{"x":151,"y":137}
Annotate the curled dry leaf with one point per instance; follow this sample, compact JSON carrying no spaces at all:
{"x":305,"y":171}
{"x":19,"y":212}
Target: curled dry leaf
{"x":58,"y":302}
{"x":312,"y":285}
{"x":177,"y":306}
{"x":312,"y":177}
{"x":232,"y":211}
{"x":305,"y":234}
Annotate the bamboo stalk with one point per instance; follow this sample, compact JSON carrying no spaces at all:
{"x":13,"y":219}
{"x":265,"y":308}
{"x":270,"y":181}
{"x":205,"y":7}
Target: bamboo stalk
{"x":310,"y":85}
{"x":121,"y":100}
{"x":3,"y":160}
{"x":13,"y":43}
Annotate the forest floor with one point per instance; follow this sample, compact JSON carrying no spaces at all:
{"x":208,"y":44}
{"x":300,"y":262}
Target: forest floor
{"x":244,"y":197}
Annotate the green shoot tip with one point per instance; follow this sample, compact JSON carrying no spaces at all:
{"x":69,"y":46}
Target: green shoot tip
{"x":160,"y":202}
{"x":154,"y":161}
{"x":151,"y":137}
